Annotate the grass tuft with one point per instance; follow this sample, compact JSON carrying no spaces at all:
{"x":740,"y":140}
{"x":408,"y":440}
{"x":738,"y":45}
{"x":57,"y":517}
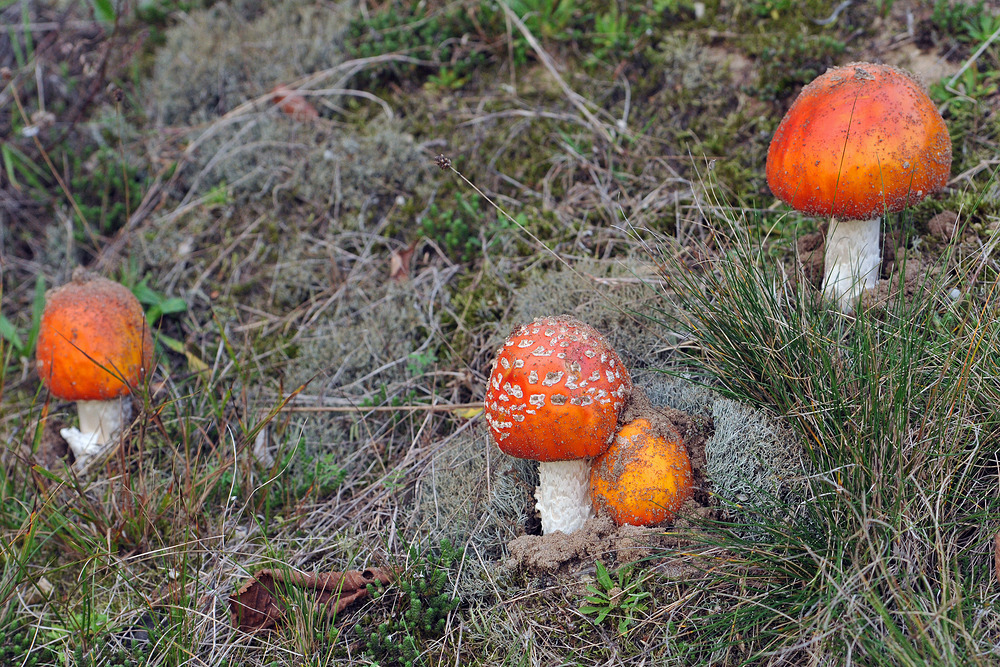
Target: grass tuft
{"x":887,"y":559}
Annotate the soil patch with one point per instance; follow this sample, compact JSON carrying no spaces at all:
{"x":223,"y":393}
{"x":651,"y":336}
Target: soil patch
{"x":562,"y":554}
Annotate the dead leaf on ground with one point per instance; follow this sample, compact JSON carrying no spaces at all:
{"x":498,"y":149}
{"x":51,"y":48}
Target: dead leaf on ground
{"x":399,"y":263}
{"x":261,"y":602}
{"x":293,"y":103}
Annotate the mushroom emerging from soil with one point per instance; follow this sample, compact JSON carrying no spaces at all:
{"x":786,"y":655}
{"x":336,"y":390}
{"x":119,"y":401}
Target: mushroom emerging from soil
{"x":644,"y":477}
{"x":859,"y":141}
{"x":94,"y":346}
{"x":554,"y":395}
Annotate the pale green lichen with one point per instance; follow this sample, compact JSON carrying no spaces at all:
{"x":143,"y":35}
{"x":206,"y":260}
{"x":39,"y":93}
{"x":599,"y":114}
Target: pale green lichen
{"x":754,"y":459}
{"x":664,"y":389}
{"x":477,"y":497}
{"x":220,"y":57}
{"x":274,"y":158}
{"x":214,"y":77}
{"x":366,"y":339}
{"x":612,"y":297}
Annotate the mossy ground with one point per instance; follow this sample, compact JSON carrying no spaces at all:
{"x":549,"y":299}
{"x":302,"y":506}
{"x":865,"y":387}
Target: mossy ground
{"x":340,"y":291}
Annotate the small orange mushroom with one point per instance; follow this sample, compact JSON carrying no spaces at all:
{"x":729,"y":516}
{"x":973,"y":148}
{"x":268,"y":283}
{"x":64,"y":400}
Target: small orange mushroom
{"x":644,"y":477}
{"x":94,"y":346}
{"x":859,"y":141}
{"x":554,"y":395}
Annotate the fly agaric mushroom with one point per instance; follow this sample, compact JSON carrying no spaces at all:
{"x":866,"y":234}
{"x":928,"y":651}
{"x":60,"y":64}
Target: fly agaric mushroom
{"x":94,"y":346}
{"x":554,"y":395}
{"x":644,"y":477}
{"x":859,"y":141}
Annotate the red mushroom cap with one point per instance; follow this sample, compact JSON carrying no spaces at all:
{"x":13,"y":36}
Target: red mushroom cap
{"x":93,"y":340}
{"x":555,"y":391}
{"x":859,"y":140}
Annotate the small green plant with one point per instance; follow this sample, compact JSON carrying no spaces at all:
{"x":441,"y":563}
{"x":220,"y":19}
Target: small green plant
{"x":138,"y":654}
{"x":297,"y":478}
{"x":323,"y":478}
{"x":955,"y":18}
{"x":771,"y":9}
{"x":964,"y":101}
{"x":19,"y":167}
{"x":981,"y":28}
{"x":106,"y":188}
{"x":620,"y":598}
{"x":447,"y":78}
{"x":157,"y":305}
{"x":24,"y":347}
{"x":547,"y":19}
{"x":24,"y":645}
{"x":418,"y":363}
{"x":614,"y":33}
{"x":456,"y":229}
{"x":970,"y":87}
{"x":423,"y":604}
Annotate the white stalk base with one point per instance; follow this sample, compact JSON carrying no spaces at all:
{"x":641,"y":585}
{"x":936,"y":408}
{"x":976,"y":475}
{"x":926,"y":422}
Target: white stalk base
{"x":852,"y":260}
{"x":563,"y":495}
{"x":100,"y":423}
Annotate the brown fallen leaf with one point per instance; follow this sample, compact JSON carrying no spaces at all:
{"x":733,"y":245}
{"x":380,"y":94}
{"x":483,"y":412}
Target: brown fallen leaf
{"x":399,"y":263}
{"x":262,"y":601}
{"x":293,"y":103}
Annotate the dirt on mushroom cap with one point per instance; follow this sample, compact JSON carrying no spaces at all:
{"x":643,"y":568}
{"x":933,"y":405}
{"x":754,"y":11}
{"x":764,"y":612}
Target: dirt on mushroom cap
{"x":93,"y":342}
{"x":644,"y":477}
{"x":858,"y":141}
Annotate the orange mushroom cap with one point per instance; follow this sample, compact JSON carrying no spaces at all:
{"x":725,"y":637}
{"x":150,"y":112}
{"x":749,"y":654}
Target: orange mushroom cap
{"x":858,"y":141}
{"x":555,"y":391}
{"x":93,"y":340}
{"x":644,"y":477}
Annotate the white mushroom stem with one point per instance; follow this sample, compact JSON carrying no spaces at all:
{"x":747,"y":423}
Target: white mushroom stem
{"x":100,"y":423}
{"x":563,"y":495}
{"x":852,"y":260}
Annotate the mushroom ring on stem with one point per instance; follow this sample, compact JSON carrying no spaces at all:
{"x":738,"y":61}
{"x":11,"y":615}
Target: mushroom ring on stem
{"x":859,"y":141}
{"x":94,"y":346}
{"x":554,"y":395}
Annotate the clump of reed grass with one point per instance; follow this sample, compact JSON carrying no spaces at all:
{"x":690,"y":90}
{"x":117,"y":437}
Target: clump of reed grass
{"x":888,"y":559}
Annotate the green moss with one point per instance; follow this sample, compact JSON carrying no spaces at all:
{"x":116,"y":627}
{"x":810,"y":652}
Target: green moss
{"x":967,"y":110}
{"x":788,"y":62}
{"x":449,"y":42}
{"x":435,"y":41}
{"x":23,"y":645}
{"x":459,"y":227}
{"x":739,"y":174}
